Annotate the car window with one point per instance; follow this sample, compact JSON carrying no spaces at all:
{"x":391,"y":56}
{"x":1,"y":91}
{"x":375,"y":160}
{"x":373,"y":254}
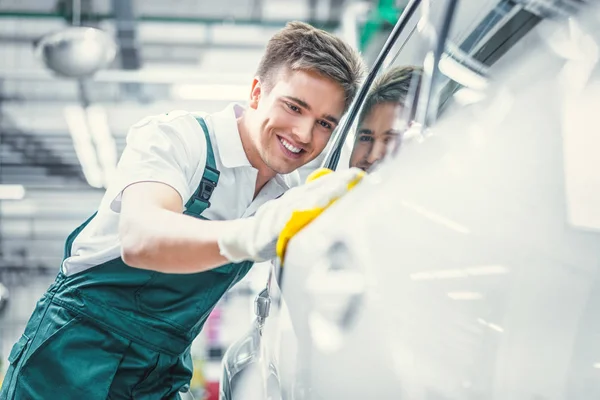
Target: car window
{"x":411,"y":91}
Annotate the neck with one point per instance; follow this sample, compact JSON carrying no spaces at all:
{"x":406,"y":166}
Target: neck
{"x":264,"y":172}
{"x":261,"y":180}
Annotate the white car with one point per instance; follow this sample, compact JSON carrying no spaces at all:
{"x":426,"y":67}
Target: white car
{"x":468,"y":265}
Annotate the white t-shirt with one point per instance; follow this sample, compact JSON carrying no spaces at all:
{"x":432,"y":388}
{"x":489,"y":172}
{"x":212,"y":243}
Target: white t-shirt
{"x":171,"y":149}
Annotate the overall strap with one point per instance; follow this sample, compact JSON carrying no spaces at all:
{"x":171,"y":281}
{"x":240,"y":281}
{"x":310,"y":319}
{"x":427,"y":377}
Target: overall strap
{"x":200,"y":200}
{"x":73,"y":235}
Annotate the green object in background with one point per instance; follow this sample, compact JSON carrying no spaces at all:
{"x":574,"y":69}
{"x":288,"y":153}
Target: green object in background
{"x":386,"y":13}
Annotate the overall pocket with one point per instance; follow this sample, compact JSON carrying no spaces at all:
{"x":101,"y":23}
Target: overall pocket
{"x":15,"y":363}
{"x":70,"y":357}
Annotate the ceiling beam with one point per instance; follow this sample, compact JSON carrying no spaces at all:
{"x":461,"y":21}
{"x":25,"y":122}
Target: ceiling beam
{"x":129,"y":55}
{"x":335,"y":10}
{"x":257,"y":9}
{"x":180,"y":19}
{"x":200,"y":45}
{"x":36,"y":154}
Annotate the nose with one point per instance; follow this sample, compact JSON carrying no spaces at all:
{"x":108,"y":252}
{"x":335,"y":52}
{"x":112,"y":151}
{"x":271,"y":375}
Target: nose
{"x":303,"y":131}
{"x":377,"y":152}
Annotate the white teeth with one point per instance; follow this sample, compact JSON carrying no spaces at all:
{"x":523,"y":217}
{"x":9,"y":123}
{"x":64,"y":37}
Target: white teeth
{"x":289,"y":146}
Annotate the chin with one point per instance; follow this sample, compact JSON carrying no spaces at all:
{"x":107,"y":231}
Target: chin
{"x":285,"y":168}
{"x":364,"y":167}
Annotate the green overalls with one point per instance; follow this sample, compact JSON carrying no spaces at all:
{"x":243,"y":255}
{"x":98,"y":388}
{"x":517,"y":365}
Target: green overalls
{"x":113,"y":331}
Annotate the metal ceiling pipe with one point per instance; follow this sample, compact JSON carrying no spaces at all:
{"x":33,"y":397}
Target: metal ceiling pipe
{"x":126,"y":32}
{"x":154,"y":75}
{"x":273,"y":23}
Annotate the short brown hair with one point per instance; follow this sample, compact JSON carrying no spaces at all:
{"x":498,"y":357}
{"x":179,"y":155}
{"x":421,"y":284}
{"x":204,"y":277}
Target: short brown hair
{"x":300,"y":46}
{"x":393,"y":86}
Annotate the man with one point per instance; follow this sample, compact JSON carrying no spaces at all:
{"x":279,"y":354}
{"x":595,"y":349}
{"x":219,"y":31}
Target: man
{"x":180,"y":226}
{"x":380,"y":123}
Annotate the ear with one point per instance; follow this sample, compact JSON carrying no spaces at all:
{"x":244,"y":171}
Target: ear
{"x":255,"y":93}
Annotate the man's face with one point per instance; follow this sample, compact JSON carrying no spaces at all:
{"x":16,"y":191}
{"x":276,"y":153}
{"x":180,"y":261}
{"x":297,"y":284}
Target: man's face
{"x":374,"y":135}
{"x":293,"y":121}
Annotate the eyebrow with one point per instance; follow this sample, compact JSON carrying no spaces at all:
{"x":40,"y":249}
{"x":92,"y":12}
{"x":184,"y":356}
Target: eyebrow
{"x":304,"y":104}
{"x":390,"y":132}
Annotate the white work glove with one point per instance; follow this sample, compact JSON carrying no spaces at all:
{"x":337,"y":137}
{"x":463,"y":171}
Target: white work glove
{"x":255,"y":238}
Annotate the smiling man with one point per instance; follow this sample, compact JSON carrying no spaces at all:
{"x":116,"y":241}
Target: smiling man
{"x":380,"y":122}
{"x":294,"y":121}
{"x":182,"y":223}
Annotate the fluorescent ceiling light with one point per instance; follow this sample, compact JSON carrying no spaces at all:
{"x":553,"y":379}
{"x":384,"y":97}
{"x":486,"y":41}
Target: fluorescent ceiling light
{"x":423,"y":24}
{"x":490,"y":325}
{"x":156,"y":74}
{"x":436,"y":218}
{"x":12,"y":192}
{"x":466,"y":96}
{"x":461,"y":74}
{"x":597,"y":365}
{"x":484,"y":270}
{"x":84,"y":148}
{"x":224,"y":92}
{"x":159,"y":74}
{"x":465,"y":295}
{"x":487,"y":270}
{"x":105,"y":143}
{"x":23,"y":208}
{"x":440,"y":274}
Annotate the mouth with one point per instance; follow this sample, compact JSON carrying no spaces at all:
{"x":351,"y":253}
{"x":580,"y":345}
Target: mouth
{"x":289,"y":149}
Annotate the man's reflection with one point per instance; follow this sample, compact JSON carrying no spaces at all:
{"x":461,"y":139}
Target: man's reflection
{"x":380,"y":120}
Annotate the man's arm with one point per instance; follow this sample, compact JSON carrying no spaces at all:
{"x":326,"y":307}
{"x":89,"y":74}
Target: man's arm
{"x":156,"y":235}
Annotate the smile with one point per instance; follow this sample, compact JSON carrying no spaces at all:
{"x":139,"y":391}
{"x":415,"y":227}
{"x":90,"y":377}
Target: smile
{"x":289,"y":146}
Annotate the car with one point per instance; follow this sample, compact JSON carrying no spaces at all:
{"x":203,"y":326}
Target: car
{"x":466,"y":266}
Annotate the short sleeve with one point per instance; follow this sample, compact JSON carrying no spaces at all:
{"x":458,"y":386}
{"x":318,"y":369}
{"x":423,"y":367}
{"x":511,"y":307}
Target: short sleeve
{"x":169,"y":148}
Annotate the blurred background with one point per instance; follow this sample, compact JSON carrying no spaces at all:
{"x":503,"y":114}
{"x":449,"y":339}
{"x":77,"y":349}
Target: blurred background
{"x":68,"y":97}
{"x":76,"y":74}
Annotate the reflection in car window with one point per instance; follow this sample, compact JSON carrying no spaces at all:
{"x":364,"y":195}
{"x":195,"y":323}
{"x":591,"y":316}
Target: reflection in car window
{"x":464,"y":65}
{"x":385,"y":115}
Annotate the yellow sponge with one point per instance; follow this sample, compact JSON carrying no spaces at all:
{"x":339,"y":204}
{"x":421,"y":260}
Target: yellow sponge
{"x":301,"y":218}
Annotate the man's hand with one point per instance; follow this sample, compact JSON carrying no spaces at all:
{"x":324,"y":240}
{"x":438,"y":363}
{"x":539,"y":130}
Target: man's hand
{"x":255,"y":238}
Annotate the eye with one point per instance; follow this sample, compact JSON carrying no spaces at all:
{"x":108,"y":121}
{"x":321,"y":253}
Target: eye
{"x":293,"y":107}
{"x":324,"y":124}
{"x":365,"y":138}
